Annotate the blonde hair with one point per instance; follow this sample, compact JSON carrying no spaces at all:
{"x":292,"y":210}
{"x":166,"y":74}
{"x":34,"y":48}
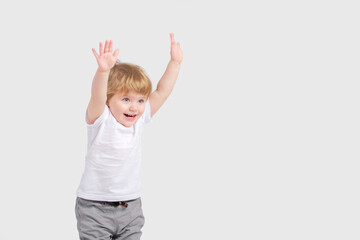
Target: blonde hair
{"x":127,"y":77}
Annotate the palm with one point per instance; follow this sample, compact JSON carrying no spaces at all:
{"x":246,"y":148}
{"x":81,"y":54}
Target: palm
{"x":106,"y":61}
{"x":106,"y":57}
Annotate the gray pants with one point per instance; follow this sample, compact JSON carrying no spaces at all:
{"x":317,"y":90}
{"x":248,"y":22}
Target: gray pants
{"x":99,"y":221}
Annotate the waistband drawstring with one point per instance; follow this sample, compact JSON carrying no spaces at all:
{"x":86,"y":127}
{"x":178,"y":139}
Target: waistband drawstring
{"x":115,"y":204}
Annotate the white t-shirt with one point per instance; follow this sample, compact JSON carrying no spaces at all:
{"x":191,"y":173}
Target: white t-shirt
{"x":113,"y":159}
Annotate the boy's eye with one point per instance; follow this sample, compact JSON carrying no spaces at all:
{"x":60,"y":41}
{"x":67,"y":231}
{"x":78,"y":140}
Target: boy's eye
{"x":126,"y":99}
{"x":141,"y":101}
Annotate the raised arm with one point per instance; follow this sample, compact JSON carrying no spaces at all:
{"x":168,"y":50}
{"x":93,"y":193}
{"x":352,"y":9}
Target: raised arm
{"x":167,"y":81}
{"x":106,"y":60}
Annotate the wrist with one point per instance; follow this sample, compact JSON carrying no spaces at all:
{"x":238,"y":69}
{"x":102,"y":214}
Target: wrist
{"x":174,"y":62}
{"x":103,"y":71}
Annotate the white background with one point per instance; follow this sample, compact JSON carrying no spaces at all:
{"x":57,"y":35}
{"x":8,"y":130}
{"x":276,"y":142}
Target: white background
{"x":259,"y":140}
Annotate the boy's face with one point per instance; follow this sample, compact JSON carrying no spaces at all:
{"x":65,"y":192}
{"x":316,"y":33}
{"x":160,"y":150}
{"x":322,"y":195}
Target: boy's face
{"x":127,"y":108}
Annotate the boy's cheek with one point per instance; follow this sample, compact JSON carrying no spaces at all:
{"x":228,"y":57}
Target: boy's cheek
{"x":139,"y":115}
{"x":142,"y":111}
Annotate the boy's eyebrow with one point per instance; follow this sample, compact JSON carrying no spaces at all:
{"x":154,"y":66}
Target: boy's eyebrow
{"x":127,"y":96}
{"x":140,"y":97}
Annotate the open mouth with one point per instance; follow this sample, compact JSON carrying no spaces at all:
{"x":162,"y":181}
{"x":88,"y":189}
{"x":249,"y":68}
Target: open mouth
{"x":130,"y":116}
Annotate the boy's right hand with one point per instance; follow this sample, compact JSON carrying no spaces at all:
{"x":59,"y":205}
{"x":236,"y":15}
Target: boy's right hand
{"x":106,"y":58}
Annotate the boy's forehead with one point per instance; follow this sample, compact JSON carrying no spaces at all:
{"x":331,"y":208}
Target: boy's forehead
{"x":131,"y":94}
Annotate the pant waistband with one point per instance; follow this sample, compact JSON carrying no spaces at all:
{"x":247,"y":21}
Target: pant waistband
{"x":114,"y":204}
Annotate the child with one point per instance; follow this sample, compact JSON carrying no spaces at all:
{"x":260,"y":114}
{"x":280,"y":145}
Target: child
{"x":108,"y":204}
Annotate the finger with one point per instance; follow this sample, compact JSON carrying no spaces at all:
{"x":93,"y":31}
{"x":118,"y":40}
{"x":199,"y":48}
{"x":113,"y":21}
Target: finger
{"x":172,"y":38}
{"x":116,"y":52}
{"x":101,"y":51}
{"x":95,"y":53}
{"x":111,"y":46}
{"x":106,"y":48}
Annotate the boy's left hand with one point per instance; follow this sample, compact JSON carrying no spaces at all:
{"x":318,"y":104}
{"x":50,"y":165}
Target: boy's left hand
{"x":176,"y":53}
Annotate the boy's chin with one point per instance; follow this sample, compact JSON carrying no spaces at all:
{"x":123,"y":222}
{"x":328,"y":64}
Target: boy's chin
{"x":126,"y":123}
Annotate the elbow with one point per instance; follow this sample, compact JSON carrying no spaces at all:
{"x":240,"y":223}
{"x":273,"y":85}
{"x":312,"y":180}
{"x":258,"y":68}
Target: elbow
{"x":163,"y":94}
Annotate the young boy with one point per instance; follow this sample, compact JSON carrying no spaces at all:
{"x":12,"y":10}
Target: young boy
{"x":108,"y":204}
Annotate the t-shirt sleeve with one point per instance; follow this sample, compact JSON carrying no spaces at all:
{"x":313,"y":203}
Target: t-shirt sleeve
{"x":100,"y":119}
{"x":147,"y":113}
